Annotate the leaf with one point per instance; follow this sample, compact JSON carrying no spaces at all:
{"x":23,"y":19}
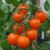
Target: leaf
{"x":1,"y":37}
{"x":14,"y":2}
{"x":47,"y":6}
{"x":2,"y":14}
{"x":2,"y":30}
{"x":33,"y":2}
{"x":4,"y":44}
{"x":6,"y":8}
{"x":1,"y":48}
{"x":2,"y":22}
{"x":44,"y":25}
{"x":33,"y":9}
{"x":0,"y":3}
{"x":45,"y":45}
{"x":48,"y":15}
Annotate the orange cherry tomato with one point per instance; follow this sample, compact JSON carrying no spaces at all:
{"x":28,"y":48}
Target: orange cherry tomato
{"x":23,"y":42}
{"x":34,"y":23}
{"x":41,"y":15}
{"x":12,"y":38}
{"x":24,"y":8}
{"x":31,"y":34}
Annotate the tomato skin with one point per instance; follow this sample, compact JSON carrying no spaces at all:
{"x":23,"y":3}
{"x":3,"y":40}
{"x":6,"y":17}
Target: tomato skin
{"x":12,"y":38}
{"x":23,"y":42}
{"x":24,"y":11}
{"x":24,"y":8}
{"x":20,"y":29}
{"x":21,"y":20}
{"x":34,"y":23}
{"x":31,"y":34}
{"x":17,"y":16}
{"x":15,"y":27}
{"x":41,"y":15}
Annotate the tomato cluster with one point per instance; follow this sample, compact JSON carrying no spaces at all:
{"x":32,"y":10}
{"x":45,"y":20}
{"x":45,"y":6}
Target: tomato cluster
{"x":18,"y":16}
{"x":31,"y":34}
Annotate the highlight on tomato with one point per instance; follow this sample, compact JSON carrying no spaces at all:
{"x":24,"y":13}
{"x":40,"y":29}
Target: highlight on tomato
{"x":31,"y":34}
{"x":41,"y":15}
{"x":23,"y":8}
{"x":12,"y":39}
{"x":34,"y":23}
{"x":23,"y":42}
{"x":17,"y":16}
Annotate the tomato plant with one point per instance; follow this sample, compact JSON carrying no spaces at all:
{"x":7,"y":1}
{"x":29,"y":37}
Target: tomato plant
{"x":23,"y":8}
{"x":21,"y":23}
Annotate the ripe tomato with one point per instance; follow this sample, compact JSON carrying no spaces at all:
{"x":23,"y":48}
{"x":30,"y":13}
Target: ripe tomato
{"x":20,"y":29}
{"x":12,"y":38}
{"x":17,"y":16}
{"x":34,"y":23}
{"x":41,"y":15}
{"x":31,"y":34}
{"x":15,"y":27}
{"x":23,"y":42}
{"x":21,"y":20}
{"x":24,"y":8}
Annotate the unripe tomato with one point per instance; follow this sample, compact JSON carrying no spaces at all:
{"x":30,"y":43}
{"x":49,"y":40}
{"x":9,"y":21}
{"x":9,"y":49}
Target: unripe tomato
{"x":12,"y":38}
{"x":23,"y":42}
{"x":34,"y":23}
{"x":41,"y":15}
{"x":31,"y":34}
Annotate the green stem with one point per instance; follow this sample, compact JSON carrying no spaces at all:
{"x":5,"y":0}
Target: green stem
{"x":30,"y":45}
{"x":12,"y":12}
{"x":48,"y":20}
{"x":23,"y":1}
{"x":33,"y":2}
{"x":13,"y":47}
{"x":38,"y":46}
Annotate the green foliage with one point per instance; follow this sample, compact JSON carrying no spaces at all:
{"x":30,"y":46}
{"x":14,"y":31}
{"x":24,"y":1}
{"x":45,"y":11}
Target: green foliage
{"x":33,"y":1}
{"x":6,"y":10}
{"x":4,"y":44}
{"x":47,"y":6}
{"x":45,"y":25}
{"x":1,"y":37}
{"x":14,"y":2}
{"x":4,"y":7}
{"x":48,"y":15}
{"x":33,"y":9}
{"x":45,"y":45}
{"x":2,"y":22}
{"x":2,"y":30}
{"x":1,"y":48}
{"x":2,"y":14}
